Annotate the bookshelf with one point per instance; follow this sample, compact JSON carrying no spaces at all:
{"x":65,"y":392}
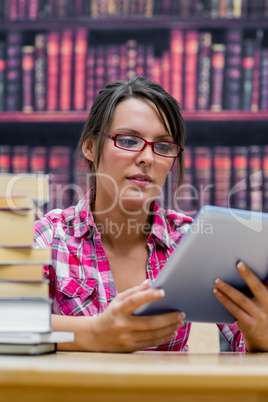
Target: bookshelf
{"x":154,"y":28}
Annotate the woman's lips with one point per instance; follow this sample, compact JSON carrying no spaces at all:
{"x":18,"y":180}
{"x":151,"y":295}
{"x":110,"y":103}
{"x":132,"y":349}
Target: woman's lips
{"x":140,"y":180}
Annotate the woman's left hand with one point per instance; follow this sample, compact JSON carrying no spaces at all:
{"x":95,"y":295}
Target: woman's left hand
{"x":251,"y":313}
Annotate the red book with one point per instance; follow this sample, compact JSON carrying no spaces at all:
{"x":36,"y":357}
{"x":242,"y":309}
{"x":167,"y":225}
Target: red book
{"x":66,"y":65}
{"x":157,"y":71}
{"x":38,"y":160}
{"x":59,"y":166}
{"x":53,"y":49}
{"x":12,"y":9}
{"x":27,"y":78}
{"x":80,"y":57}
{"x":203,"y":178}
{"x":165,"y":73}
{"x":238,"y":195}
{"x":20,"y":159}
{"x":217,"y":76}
{"x":149,"y":61}
{"x":176,"y":55}
{"x":2,"y":75}
{"x":204,"y":71}
{"x":140,"y":69}
{"x":33,"y":9}
{"x":40,"y":68}
{"x":265,"y":177}
{"x":5,"y":158}
{"x":190,"y":69}
{"x":123,"y":61}
{"x":90,"y":77}
{"x":112,"y":63}
{"x":186,"y":198}
{"x":222,"y":175}
{"x":100,"y":69}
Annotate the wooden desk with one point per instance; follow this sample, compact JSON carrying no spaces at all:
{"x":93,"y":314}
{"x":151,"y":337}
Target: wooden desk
{"x":142,"y":376}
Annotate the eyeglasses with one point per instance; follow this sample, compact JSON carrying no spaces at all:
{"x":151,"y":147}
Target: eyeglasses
{"x":132,"y":143}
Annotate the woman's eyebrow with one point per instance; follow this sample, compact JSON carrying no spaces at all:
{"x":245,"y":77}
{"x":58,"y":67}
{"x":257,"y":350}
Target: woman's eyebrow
{"x":134,"y":132}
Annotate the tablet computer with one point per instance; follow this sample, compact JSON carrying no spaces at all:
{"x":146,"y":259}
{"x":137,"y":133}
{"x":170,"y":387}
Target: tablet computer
{"x":215,"y":241}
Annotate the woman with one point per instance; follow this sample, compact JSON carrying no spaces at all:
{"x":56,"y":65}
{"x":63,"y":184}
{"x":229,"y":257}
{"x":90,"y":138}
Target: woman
{"x":106,"y":250}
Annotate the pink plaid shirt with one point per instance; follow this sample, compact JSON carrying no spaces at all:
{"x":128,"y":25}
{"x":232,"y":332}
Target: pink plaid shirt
{"x":81,"y":281}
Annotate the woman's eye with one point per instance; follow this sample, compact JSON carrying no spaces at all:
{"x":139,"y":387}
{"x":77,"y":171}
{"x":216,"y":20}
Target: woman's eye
{"x":162,"y":147}
{"x":127,"y":142}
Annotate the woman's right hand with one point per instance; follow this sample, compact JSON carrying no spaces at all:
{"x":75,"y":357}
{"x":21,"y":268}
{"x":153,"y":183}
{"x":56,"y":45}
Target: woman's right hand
{"x":118,"y":330}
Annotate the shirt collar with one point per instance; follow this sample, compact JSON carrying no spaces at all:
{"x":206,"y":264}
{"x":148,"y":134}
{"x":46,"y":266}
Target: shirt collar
{"x":161,"y":225}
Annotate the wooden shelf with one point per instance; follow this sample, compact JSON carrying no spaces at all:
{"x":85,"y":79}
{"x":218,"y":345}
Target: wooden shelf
{"x":80,"y":117}
{"x":135,"y":22}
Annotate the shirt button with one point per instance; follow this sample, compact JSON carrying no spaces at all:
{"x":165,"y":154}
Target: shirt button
{"x":79,"y":291}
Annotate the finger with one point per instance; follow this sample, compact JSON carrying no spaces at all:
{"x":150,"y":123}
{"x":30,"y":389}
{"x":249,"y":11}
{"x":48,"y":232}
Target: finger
{"x":140,"y":345}
{"x":126,"y":293}
{"x":157,"y":333}
{"x":139,"y":298}
{"x":239,"y":313}
{"x":143,"y":323}
{"x":257,"y":288}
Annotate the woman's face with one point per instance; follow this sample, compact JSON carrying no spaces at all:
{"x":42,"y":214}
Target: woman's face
{"x":132,"y":180}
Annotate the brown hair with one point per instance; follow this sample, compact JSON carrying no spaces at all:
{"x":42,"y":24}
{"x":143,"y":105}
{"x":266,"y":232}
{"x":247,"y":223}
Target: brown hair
{"x":102,"y":111}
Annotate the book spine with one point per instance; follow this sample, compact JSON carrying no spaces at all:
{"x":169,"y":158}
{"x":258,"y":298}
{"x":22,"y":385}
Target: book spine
{"x":190,"y":69}
{"x":2,"y":75}
{"x":12,"y":10}
{"x":177,"y":54}
{"x":237,"y":8}
{"x":22,"y":10}
{"x":100,"y":69}
{"x":140,"y":69}
{"x":157,"y":71}
{"x":149,"y":61}
{"x":27,"y":78}
{"x":256,"y":72}
{"x":217,"y":75}
{"x":20,"y":159}
{"x":5,"y":159}
{"x":233,"y":66}
{"x":123,"y":62}
{"x":186,"y":199}
{"x":80,"y":56}
{"x":66,"y":63}
{"x":112,"y":63}
{"x":247,"y":73}
{"x":222,"y":175}
{"x":33,"y":9}
{"x":53,"y":47}
{"x":38,"y":159}
{"x":203,"y":179}
{"x":40,"y":72}
{"x":90,"y":77}
{"x":131,"y":46}
{"x":265,"y":177}
{"x":264,"y":79}
{"x":165,"y":71}
{"x":255,"y":178}
{"x":239,"y":197}
{"x":204,"y":71}
{"x":13,"y":76}
{"x":214,"y":8}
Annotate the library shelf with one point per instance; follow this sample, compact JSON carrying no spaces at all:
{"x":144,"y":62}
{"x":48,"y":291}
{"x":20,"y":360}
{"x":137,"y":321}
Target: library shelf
{"x":81,"y":116}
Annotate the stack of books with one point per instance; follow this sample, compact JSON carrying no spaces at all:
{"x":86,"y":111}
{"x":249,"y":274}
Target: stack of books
{"x":25,"y":306}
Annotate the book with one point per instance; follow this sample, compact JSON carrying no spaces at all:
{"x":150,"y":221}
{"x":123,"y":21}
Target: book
{"x":65,"y":70}
{"x":21,"y":272}
{"x":233,"y":67}
{"x":265,"y":177}
{"x":239,"y":193}
{"x":53,"y":51}
{"x":2,"y":75}
{"x":165,"y":71}
{"x":202,"y":160}
{"x":255,"y":177}
{"x":25,"y":256}
{"x":20,"y":159}
{"x":28,"y":338}
{"x":5,"y":158}
{"x":247,"y":73}
{"x":38,"y":159}
{"x":25,"y":314}
{"x":17,"y":217}
{"x":13,"y":71}
{"x":31,"y":349}
{"x":23,"y":288}
{"x":27,"y":78}
{"x":80,"y":58}
{"x":217,"y":76}
{"x":222,"y":175}
{"x":256,"y":72}
{"x":34,"y":185}
{"x":204,"y":71}
{"x":190,"y":69}
{"x":264,"y":79}
{"x":40,"y":67}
